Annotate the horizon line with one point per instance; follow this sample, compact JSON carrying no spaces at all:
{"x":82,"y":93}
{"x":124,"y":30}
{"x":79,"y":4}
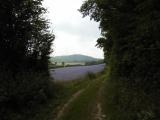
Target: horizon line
{"x":76,"y":54}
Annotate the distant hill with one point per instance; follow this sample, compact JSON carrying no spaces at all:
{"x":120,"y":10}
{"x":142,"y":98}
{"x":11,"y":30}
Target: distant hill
{"x":73,"y":58}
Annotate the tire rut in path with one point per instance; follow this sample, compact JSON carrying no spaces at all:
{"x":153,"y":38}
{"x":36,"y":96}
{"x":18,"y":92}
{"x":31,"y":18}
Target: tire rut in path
{"x":99,"y":111}
{"x":74,"y":96}
{"x":99,"y":115}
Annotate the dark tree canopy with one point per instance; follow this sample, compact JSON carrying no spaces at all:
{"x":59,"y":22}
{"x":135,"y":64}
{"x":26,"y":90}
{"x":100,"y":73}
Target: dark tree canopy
{"x":25,"y":45}
{"x":131,"y":43}
{"x":24,"y":37}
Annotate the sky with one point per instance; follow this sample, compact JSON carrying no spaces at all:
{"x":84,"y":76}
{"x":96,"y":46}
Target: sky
{"x":73,"y":34}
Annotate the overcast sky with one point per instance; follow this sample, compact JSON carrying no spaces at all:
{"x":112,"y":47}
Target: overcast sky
{"x":74,"y":34}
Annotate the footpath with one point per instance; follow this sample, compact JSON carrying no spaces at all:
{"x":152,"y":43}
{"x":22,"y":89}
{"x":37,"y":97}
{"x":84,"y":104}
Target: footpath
{"x":86,"y":104}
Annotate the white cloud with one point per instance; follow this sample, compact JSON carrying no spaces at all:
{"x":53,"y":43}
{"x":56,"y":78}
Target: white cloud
{"x":74,"y":34}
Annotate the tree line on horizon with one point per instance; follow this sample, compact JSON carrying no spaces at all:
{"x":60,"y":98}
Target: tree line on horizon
{"x":130,"y":40}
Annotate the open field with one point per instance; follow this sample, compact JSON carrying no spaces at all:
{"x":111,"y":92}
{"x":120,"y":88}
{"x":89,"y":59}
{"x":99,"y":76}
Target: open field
{"x":71,"y":73}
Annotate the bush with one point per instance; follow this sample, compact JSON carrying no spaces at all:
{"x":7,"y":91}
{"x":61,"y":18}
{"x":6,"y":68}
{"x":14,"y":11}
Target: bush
{"x":127,"y":102}
{"x":24,"y":91}
{"x":91,"y":75}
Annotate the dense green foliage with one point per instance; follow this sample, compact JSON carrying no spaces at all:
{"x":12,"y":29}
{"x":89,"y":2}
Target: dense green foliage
{"x":130,"y":40}
{"x":95,"y":62}
{"x":25,"y":43}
